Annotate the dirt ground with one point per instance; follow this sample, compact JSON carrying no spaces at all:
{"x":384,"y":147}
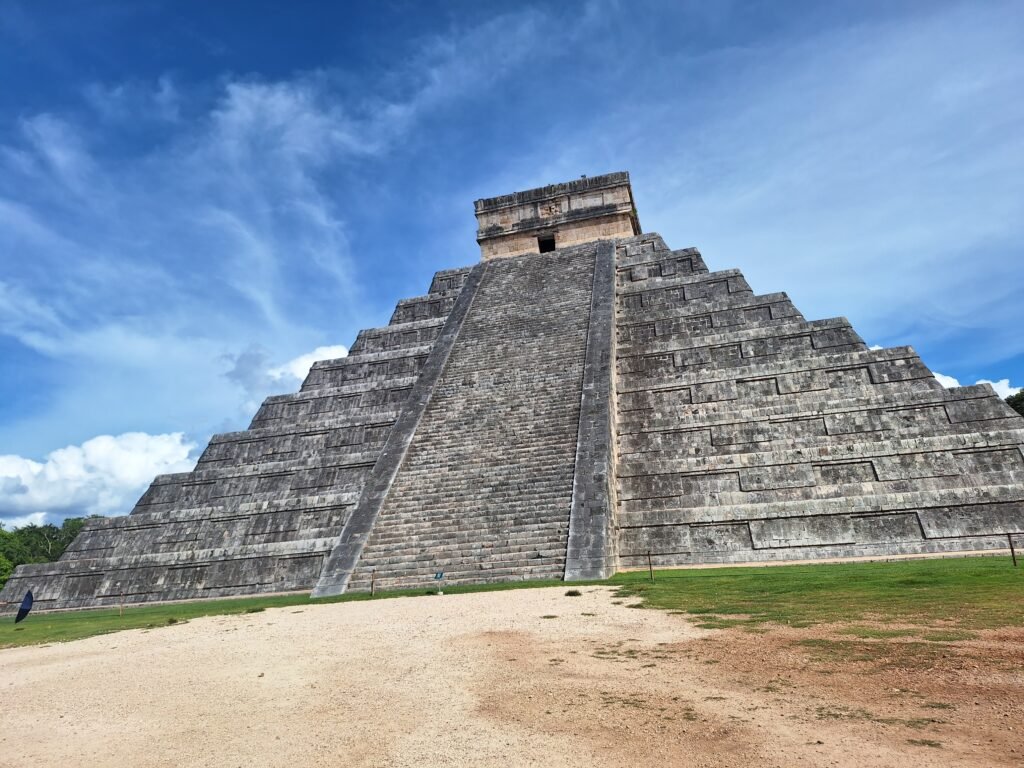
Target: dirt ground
{"x":520,"y":678}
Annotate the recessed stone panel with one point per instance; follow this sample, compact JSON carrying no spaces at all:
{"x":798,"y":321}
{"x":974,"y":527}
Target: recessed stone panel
{"x":842,"y":473}
{"x":802,"y":531}
{"x":669,"y":539}
{"x":777,"y":476}
{"x":887,"y":529}
{"x":724,"y":537}
{"x":973,"y":520}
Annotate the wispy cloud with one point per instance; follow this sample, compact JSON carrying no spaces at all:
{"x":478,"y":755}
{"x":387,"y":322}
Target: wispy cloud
{"x":173,"y":245}
{"x":135,"y":101}
{"x":57,"y":158}
{"x":857,"y":165}
{"x":864,"y":171}
{"x":141,"y":270}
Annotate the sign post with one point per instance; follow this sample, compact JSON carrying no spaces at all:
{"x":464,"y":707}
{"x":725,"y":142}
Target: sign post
{"x":439,"y":577}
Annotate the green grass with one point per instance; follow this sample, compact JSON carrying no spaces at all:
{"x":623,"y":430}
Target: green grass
{"x":874,"y":633}
{"x":74,"y":625}
{"x":947,"y":597}
{"x":948,"y":636}
{"x":953,"y":596}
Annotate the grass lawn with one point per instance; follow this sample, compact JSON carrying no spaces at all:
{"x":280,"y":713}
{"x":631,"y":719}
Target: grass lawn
{"x":954,"y":595}
{"x":59,"y":627}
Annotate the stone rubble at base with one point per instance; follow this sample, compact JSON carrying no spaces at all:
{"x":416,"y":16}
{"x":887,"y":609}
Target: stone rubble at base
{"x":567,"y":414}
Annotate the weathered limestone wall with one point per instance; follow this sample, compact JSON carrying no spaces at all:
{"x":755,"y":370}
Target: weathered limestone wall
{"x":746,"y":433}
{"x":576,"y":212}
{"x":263,"y":507}
{"x":566,"y":235}
{"x":592,"y":547}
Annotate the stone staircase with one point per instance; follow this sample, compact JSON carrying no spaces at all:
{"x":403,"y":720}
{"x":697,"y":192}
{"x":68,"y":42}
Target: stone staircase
{"x":746,"y":433}
{"x":485,"y":489}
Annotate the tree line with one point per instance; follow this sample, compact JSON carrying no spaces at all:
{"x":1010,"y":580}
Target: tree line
{"x":1017,"y":402}
{"x":35,"y":544}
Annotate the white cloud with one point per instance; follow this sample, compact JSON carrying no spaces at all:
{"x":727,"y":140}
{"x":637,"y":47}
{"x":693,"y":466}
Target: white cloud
{"x":36,"y":518}
{"x":947,"y":381}
{"x":298,"y":367}
{"x":251,"y":370}
{"x":135,"y":100}
{"x":59,"y":149}
{"x":1002,"y":387}
{"x":102,"y":476}
{"x":876,"y":347}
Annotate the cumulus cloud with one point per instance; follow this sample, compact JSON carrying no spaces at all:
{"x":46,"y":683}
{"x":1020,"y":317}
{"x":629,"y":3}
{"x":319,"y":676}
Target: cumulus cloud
{"x":252,"y":370}
{"x":1002,"y":387}
{"x":36,"y":518}
{"x":102,"y":476}
{"x":298,"y":367}
{"x":947,"y":381}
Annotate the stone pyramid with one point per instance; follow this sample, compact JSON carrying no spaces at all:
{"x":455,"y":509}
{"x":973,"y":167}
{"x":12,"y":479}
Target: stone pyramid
{"x":581,"y":400}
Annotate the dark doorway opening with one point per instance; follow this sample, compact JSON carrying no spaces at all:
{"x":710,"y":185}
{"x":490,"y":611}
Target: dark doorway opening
{"x":546,"y":243}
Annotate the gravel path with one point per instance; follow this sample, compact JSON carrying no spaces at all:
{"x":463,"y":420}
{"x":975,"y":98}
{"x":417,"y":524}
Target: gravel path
{"x":525,"y":677}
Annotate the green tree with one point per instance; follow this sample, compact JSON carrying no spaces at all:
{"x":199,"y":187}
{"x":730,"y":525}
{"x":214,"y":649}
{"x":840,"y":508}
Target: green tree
{"x":70,"y":528}
{"x":41,"y":541}
{"x":13,"y":549}
{"x":6,"y":566}
{"x":1017,"y":402}
{"x":35,"y":544}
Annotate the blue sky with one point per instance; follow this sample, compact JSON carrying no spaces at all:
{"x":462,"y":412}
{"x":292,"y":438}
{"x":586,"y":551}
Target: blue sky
{"x":194,"y":197}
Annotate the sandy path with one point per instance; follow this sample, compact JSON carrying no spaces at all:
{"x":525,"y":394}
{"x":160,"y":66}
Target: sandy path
{"x":460,"y":680}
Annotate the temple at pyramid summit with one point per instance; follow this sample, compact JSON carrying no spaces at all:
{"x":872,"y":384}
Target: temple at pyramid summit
{"x":580,"y":400}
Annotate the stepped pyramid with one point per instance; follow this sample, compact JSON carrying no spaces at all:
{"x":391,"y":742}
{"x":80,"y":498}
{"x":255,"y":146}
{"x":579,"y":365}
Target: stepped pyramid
{"x":581,"y":399}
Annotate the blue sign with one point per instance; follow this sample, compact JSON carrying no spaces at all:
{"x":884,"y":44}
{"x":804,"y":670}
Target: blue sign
{"x":439,"y":575}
